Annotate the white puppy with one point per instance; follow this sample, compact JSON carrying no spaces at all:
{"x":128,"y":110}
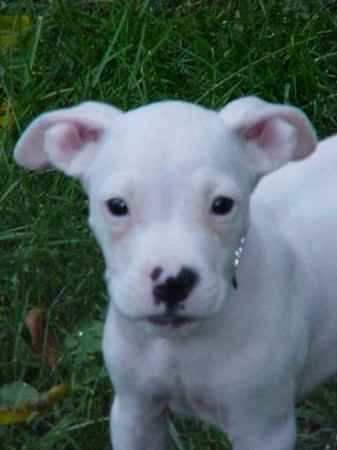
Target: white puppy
{"x":198,"y":321}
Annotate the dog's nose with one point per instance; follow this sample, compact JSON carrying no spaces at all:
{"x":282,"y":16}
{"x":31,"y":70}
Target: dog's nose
{"x":176,"y":289}
{"x":156,"y":272}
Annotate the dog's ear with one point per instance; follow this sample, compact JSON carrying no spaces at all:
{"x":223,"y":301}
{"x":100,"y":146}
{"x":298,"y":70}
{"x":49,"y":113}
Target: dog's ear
{"x":67,"y":139}
{"x":274,"y":134}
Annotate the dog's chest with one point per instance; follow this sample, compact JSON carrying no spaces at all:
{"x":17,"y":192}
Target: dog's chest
{"x":194,"y":388}
{"x":195,"y":397}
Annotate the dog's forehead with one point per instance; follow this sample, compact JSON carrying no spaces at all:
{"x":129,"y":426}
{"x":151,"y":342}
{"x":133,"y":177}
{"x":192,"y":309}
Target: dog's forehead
{"x":168,"y":131}
{"x":163,"y":117}
{"x":175,"y":137}
{"x":182,"y":117}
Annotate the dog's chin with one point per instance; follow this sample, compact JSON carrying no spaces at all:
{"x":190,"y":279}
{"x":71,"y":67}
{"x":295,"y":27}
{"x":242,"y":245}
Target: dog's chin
{"x":162,"y":324}
{"x":170,"y":320}
{"x":169,"y":324}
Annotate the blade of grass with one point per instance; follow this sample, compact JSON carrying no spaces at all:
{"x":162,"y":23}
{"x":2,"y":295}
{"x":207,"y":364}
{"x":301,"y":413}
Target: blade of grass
{"x":254,"y":63}
{"x":108,"y":53}
{"x":35,"y":45}
{"x":175,"y":436}
{"x":133,"y":71}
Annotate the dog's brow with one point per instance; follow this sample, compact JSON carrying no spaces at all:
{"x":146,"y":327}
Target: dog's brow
{"x":208,"y":180}
{"x":122,"y":183}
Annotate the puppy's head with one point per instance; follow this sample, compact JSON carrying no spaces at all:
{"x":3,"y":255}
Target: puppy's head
{"x":169,"y":187}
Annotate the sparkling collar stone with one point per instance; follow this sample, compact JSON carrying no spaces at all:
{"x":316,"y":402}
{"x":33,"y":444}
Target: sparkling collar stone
{"x":236,"y":262}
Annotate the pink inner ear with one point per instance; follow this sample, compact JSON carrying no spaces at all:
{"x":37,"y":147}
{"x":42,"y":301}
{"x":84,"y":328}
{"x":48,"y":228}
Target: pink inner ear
{"x":67,"y":138}
{"x":70,"y":145}
{"x":71,"y":137}
{"x":254,"y":132}
{"x":272,"y":143}
{"x":86,"y":134}
{"x":266,"y":135}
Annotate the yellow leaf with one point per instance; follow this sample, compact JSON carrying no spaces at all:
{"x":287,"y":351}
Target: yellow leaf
{"x":11,"y":27}
{"x":48,"y":399}
{"x":28,"y":409}
{"x":14,"y":23}
{"x":6,"y":117}
{"x":18,"y":415}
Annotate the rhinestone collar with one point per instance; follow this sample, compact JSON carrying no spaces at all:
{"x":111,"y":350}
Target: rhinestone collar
{"x":236,"y":262}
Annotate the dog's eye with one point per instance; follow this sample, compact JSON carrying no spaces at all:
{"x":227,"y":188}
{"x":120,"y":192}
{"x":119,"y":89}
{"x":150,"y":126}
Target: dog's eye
{"x":117,"y":206}
{"x":222,"y":205}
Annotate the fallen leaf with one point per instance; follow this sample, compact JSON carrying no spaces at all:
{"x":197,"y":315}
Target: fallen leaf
{"x":11,"y":27}
{"x":6,"y":117}
{"x":20,"y":402}
{"x":43,"y":342}
{"x":9,"y":417}
{"x":14,"y":400}
{"x":17,"y":392}
{"x":49,"y":398}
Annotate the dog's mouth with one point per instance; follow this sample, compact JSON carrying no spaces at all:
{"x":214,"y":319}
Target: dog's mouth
{"x":173,"y":320}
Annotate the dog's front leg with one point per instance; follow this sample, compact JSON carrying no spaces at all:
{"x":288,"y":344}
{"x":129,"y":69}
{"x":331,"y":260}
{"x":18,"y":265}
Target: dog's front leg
{"x":139,"y":424}
{"x":277,"y":434}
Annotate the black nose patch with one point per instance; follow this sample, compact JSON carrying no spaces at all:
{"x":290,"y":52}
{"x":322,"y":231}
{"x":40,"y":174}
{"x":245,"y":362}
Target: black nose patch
{"x":156,"y":272}
{"x":176,"y":289}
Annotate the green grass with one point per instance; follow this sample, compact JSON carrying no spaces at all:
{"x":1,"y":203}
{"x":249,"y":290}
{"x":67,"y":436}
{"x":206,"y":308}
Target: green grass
{"x":128,"y":53}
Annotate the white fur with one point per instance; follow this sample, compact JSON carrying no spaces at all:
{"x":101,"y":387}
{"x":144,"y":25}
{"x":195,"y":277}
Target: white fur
{"x":250,"y":352}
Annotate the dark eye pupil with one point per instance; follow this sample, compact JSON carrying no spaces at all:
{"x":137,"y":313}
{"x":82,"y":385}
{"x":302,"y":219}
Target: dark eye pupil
{"x":222,"y":205}
{"x":117,"y":206}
